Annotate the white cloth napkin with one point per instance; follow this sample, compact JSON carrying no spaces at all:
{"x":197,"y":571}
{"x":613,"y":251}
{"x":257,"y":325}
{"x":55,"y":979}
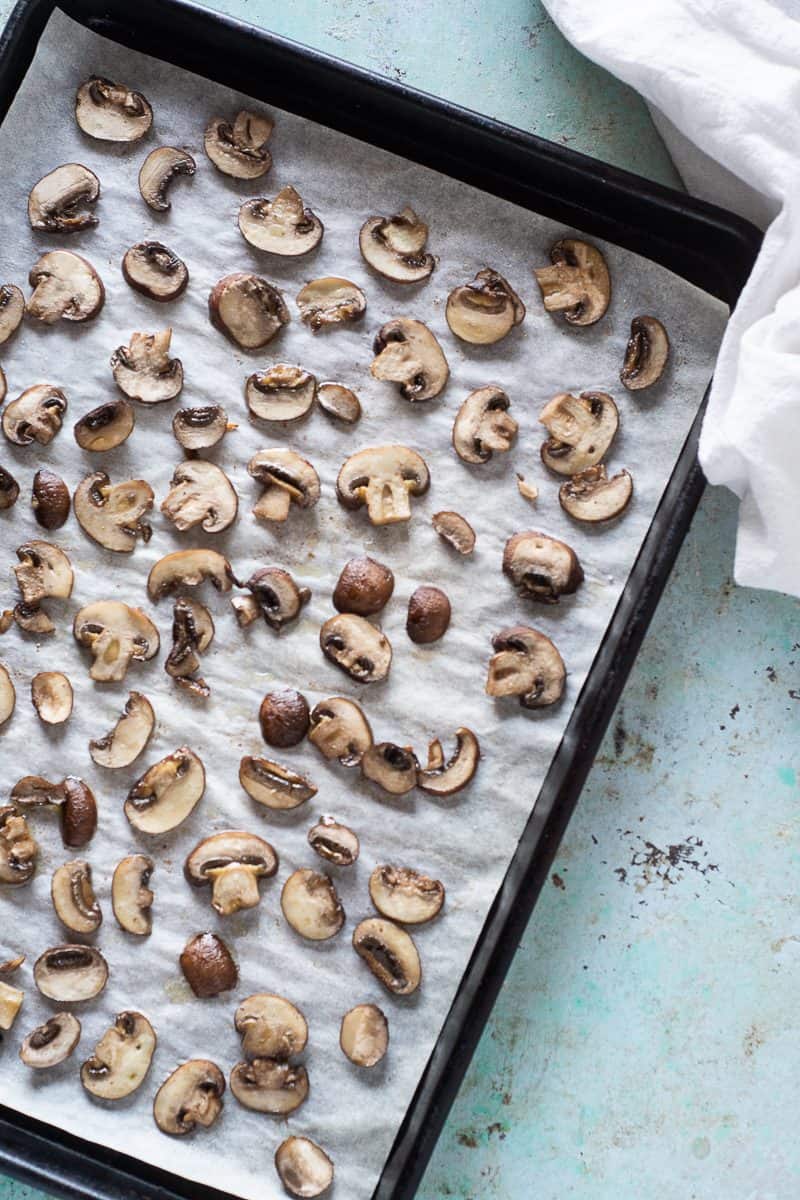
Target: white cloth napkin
{"x":723,"y":81}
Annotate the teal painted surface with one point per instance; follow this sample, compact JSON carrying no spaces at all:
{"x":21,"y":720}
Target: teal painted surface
{"x":645,"y":1042}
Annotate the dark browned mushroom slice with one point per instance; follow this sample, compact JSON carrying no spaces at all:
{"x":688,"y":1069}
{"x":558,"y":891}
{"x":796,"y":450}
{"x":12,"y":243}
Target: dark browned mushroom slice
{"x":208,"y":966}
{"x":408,"y":354}
{"x":287,"y":479}
{"x":200,"y":494}
{"x":334,"y":842}
{"x":357,"y":647}
{"x":66,"y":287}
{"x":445,"y":778}
{"x":405,"y":895}
{"x":339,"y":402}
{"x":270,"y":1027}
{"x":35,"y":415}
{"x":428,"y":615}
{"x":483,"y":425}
{"x":106,"y":426}
{"x":394,"y":768}
{"x":276,"y":596}
{"x":364,"y":587}
{"x":112,"y":513}
{"x":10,"y":1003}
{"x":72,"y":797}
{"x":192,"y":634}
{"x":189,"y":568}
{"x":58,"y":202}
{"x":340,"y":730}
{"x":382,"y":479}
{"x":304,"y":1168}
{"x":232,"y":863}
{"x":541,"y":567}
{"x":74,"y":899}
{"x":157,"y":172}
{"x":395,"y":247}
{"x":645,"y":355}
{"x":269,"y":1086}
{"x":70,"y":973}
{"x":111,"y":112}
{"x":390,"y":954}
{"x":273,"y":785}
{"x":526,"y":664}
{"x":364,"y":1035}
{"x":51,"y":1043}
{"x":455,"y":530}
{"x":311,"y":905}
{"x":247,"y":309}
{"x":281,"y":393}
{"x":8,"y":695}
{"x":577,"y":284}
{"x":156,"y":271}
{"x":167,"y":792}
{"x":18,"y":848}
{"x":200,"y":428}
{"x":50,"y":499}
{"x":484,"y":311}
{"x":144,"y":371}
{"x":581,"y":430}
{"x":190,"y":1096}
{"x":281,"y":226}
{"x":121,"y":1058}
{"x":12,"y":310}
{"x":9,"y":489}
{"x":239,"y":148}
{"x":131,"y":897}
{"x":330,"y":300}
{"x":283,"y":717}
{"x":591,"y":496}
{"x":51,"y":695}
{"x":123,"y":744}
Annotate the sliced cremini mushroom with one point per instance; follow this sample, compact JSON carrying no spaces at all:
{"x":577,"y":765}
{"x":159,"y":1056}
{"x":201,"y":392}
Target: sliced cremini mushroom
{"x":157,"y":172}
{"x":32,"y":619}
{"x":645,"y":355}
{"x":304,"y":1168}
{"x":281,"y":393}
{"x":283,"y":717}
{"x":111,"y":112}
{"x":3,"y":385}
{"x":144,"y":371}
{"x":12,"y":310}
{"x":581,"y":430}
{"x":8,"y":695}
{"x":245,"y":609}
{"x":247,"y":309}
{"x":364,"y":1035}
{"x":66,"y":287}
{"x":70,"y":973}
{"x":484,"y":311}
{"x":541,"y":567}
{"x":330,"y":300}
{"x":133,"y":729}
{"x":383,"y":478}
{"x":591,"y":496}
{"x":121,"y":1058}
{"x":44,"y":571}
{"x":6,"y":621}
{"x":9,"y":489}
{"x":483,"y":425}
{"x":167,"y":792}
{"x":273,"y":785}
{"x":270,"y":1027}
{"x":281,"y":226}
{"x":156,"y":271}
{"x":18,"y":848}
{"x":276,"y":596}
{"x":445,"y":778}
{"x":339,"y":729}
{"x":528,"y":665}
{"x":131,"y":896}
{"x":10,"y":1003}
{"x":394,"y":768}
{"x":200,"y":494}
{"x":192,"y":634}
{"x":12,"y":964}
{"x":390,"y":954}
{"x":208,"y":966}
{"x":105,"y":427}
{"x":73,"y":798}
{"x":200,"y":428}
{"x":239,"y":148}
{"x":577,"y":284}
{"x":339,"y":402}
{"x":35,"y":415}
{"x":408,"y":354}
{"x":428,"y":616}
{"x":357,"y":647}
{"x":364,"y":587}
{"x":58,"y":202}
{"x":189,"y":568}
{"x":191,"y":1096}
{"x":528,"y":491}
{"x":232,"y":862}
{"x":116,"y":634}
{"x":395,"y":246}
{"x":405,"y":895}
{"x":74,"y":899}
{"x":335,"y":843}
{"x":51,"y":1043}
{"x":311,"y":905}
{"x":455,"y":530}
{"x":50,"y":499}
{"x":51,"y":695}
{"x":269,"y":1086}
{"x":287,"y":479}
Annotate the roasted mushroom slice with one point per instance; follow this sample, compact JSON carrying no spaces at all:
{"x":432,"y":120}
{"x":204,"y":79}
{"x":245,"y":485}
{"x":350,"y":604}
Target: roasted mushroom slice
{"x":273,"y":785}
{"x":330,"y":300}
{"x":581,"y":430}
{"x":645,"y":355}
{"x":189,"y":568}
{"x":483,"y":425}
{"x":357,"y":647}
{"x":405,"y":895}
{"x":131,"y":897}
{"x":10,"y":1003}
{"x":383,"y":478}
{"x":282,"y":393}
{"x":428,"y":616}
{"x":395,"y":246}
{"x":167,"y":792}
{"x":270,"y":1027}
{"x":18,"y":849}
{"x":304,"y":1168}
{"x":408,"y":354}
{"x":58,"y":202}
{"x":239,"y":149}
{"x":9,"y":490}
{"x":50,"y":499}
{"x":287,"y":479}
{"x":73,"y":798}
{"x":528,"y":491}
{"x":526,"y":664}
{"x":281,"y":226}
{"x":192,"y":634}
{"x":364,"y":587}
{"x":144,"y":371}
{"x":200,"y":494}
{"x":484,"y":311}
{"x":200,"y":428}
{"x":121,"y":1058}
{"x":111,"y":112}
{"x":157,"y":172}
{"x":51,"y":1043}
{"x":247,"y":309}
{"x":51,"y":695}
{"x":66,"y":287}
{"x":577,"y":284}
{"x":208,"y":966}
{"x":339,"y":729}
{"x":116,"y":635}
{"x":394,"y":768}
{"x":105,"y":427}
{"x":232,"y":863}
{"x":8,"y":695}
{"x":35,"y":415}
{"x":269,"y":1086}
{"x":311,"y":905}
{"x":12,"y":964}
{"x":276,"y":596}
{"x":12,"y":310}
{"x":334,"y":842}
{"x":70,"y":973}
{"x":73,"y":897}
{"x":123,"y":744}
{"x":440,"y":778}
{"x":390,"y":954}
{"x":364,"y":1035}
{"x":283,"y":717}
{"x":156,"y":271}
{"x":541,"y":568}
{"x":455,"y":530}
{"x":44,"y":571}
{"x":591,"y":496}
{"x":339,"y":402}
{"x":3,"y":385}
{"x":191,"y":1096}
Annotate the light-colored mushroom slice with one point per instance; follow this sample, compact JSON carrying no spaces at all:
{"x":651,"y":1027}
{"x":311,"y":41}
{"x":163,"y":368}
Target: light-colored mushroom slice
{"x":270,"y":1027}
{"x":455,"y":530}
{"x":645,"y":355}
{"x":281,"y":226}
{"x":50,"y":499}
{"x":246,"y":610}
{"x":364,"y":1035}
{"x":335,"y":843}
{"x":116,"y":634}
{"x":10,"y":1003}
{"x":390,"y":954}
{"x":123,"y":744}
{"x":239,"y":148}
{"x":8,"y":695}
{"x":155,"y":271}
{"x":339,"y":402}
{"x":111,"y":513}
{"x":58,"y":202}
{"x":541,"y":567}
{"x":70,"y":973}
{"x":581,"y":430}
{"x":121,"y":1058}
{"x":269,"y":1086}
{"x":44,"y":571}
{"x":528,"y":665}
{"x":273,"y":785}
{"x":282,"y":393}
{"x":111,"y":112}
{"x":483,"y":425}
{"x":51,"y":1043}
{"x":74,"y":899}
{"x":105,"y":427}
{"x":208,"y":966}
{"x":192,"y":634}
{"x":9,"y":490}
{"x":276,"y":596}
{"x":405,"y":895}
{"x":356,"y":647}
{"x":247,"y":309}
{"x":339,"y":729}
{"x":73,"y":798}
{"x":287,"y":479}
{"x":232,"y":863}
{"x":66,"y":287}
{"x":591,"y":496}
{"x":18,"y":848}
{"x":528,"y":491}
{"x":200,"y":494}
{"x":311,"y":905}
{"x":144,"y":371}
{"x":167,"y":792}
{"x":304,"y":1168}
{"x":32,"y":619}
{"x":330,"y":300}
{"x":157,"y":173}
{"x":394,"y":768}
{"x":577,"y":284}
{"x":484,"y":311}
{"x":200,"y":428}
{"x":131,"y":896}
{"x":35,"y":416}
{"x":51,"y":695}
{"x":189,"y":568}
{"x":383,"y":478}
{"x":395,"y":246}
{"x":408,"y":354}
{"x":12,"y":310}
{"x":440,"y":778}
{"x":12,"y":964}
{"x":191,"y":1096}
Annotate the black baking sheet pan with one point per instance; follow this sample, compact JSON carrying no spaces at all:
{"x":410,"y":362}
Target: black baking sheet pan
{"x":706,"y":246}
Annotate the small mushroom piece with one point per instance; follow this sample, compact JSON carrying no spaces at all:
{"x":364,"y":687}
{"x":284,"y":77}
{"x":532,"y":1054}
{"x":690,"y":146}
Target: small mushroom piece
{"x":339,"y":729}
{"x":581,"y":430}
{"x":12,"y":310}
{"x":44,"y":571}
{"x":10,"y":1003}
{"x":155,"y":271}
{"x":282,"y":393}
{"x":276,"y":596}
{"x":191,"y":1096}
{"x":200,"y":428}
{"x":246,"y":610}
{"x":73,"y":897}
{"x":395,"y":247}
{"x":111,"y":112}
{"x":455,"y":530}
{"x":123,"y":744}
{"x":51,"y":695}
{"x":144,"y":371}
{"x":32,"y":619}
{"x":408,"y":354}
{"x":58,"y":202}
{"x":192,"y":634}
{"x":287,"y":479}
{"x":645,"y":355}
{"x":270,"y":1027}
{"x":528,"y":491}
{"x":334,"y":842}
{"x":18,"y":849}
{"x":269,"y":1086}
{"x":232,"y":862}
{"x":272,"y":785}
{"x":311,"y":905}
{"x":189,"y":568}
{"x":8,"y":695}
{"x":281,"y":226}
{"x":70,"y":973}
{"x":247,"y":309}
{"x":390,"y":954}
{"x":577,"y":284}
{"x":6,"y":621}
{"x":50,"y":499}
{"x":72,"y":797}
{"x":484,"y":311}
{"x":131,"y":897}
{"x":405,"y":895}
{"x":66,"y":287}
{"x":428,"y":615}
{"x":9,"y":489}
{"x":383,"y":478}
{"x":167,"y":792}
{"x":591,"y":496}
{"x":283,"y":717}
{"x":12,"y":964}
{"x":51,"y":1043}
{"x":304,"y":1168}
{"x":239,"y":148}
{"x":364,"y":1035}
{"x":121,"y":1058}
{"x":105,"y":427}
{"x":440,"y":778}
{"x":483,"y":425}
{"x":541,"y":568}
{"x":157,"y":172}
{"x":526,"y":664}
{"x":394,"y":768}
{"x":357,"y":647}
{"x":200,"y":494}
{"x":208,"y":966}
{"x":330,"y":300}
{"x":35,"y":415}
{"x":339,"y":402}
{"x":364,"y":587}
{"x":116,"y":634}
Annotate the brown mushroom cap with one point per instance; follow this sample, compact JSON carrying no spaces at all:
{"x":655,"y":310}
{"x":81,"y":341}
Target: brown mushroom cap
{"x":50,"y":499}
{"x":394,"y":768}
{"x":105,"y":427}
{"x":364,"y":1035}
{"x":283,"y":717}
{"x":9,"y":489}
{"x":111,"y":112}
{"x":269,"y":1086}
{"x":541,"y":567}
{"x":483,"y":425}
{"x":200,"y":428}
{"x":159,"y":169}
{"x":12,"y":310}
{"x":581,"y":430}
{"x":445,"y":778}
{"x":330,"y":300}
{"x":281,"y":226}
{"x":526,"y":664}
{"x":74,"y":899}
{"x":51,"y":1043}
{"x":156,"y":271}
{"x":577,"y":284}
{"x":18,"y":849}
{"x":591,"y":496}
{"x":232,"y":862}
{"x":408,"y":354}
{"x":273,"y":785}
{"x":70,"y":973}
{"x":276,"y":596}
{"x":334,"y":842}
{"x":339,"y":402}
{"x":339,"y":729}
{"x":311,"y":905}
{"x":121,"y":1058}
{"x":270,"y":1027}
{"x":131,"y":897}
{"x":239,"y":148}
{"x":8,"y":695}
{"x":364,"y":587}
{"x":167,"y":793}
{"x":200,"y":494}
{"x":35,"y":415}
{"x":484,"y":311}
{"x":111,"y":513}
{"x":405,"y":895}
{"x":208,"y":966}
{"x":645,"y":355}
{"x":395,"y":246}
{"x":383,"y":478}
{"x":44,"y":571}
{"x":66,"y":287}
{"x":116,"y":634}
{"x":281,"y":393}
{"x":455,"y":530}
{"x":51,"y":695}
{"x":356,"y":647}
{"x":189,"y":568}
{"x":57,"y":203}
{"x":144,"y":371}
{"x":304,"y":1168}
{"x":247,"y":309}
{"x":123,"y":744}
{"x":287,"y":479}
{"x":390,"y":954}
{"x":191,"y":1096}
{"x":428,"y":615}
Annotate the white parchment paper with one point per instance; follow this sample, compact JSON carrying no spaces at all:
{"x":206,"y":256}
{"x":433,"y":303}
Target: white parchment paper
{"x":467,"y":841}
